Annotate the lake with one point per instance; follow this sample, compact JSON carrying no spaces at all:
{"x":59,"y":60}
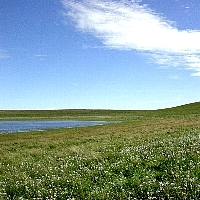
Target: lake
{"x":24,"y":126}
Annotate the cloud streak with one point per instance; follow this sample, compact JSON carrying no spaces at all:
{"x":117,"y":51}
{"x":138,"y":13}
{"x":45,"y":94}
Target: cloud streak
{"x":131,"y":25}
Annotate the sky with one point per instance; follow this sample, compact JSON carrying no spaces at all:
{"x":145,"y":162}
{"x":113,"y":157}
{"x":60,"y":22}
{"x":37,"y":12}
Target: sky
{"x":100,"y":54}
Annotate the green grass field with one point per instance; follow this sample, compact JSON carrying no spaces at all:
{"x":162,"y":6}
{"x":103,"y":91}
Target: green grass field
{"x":149,"y":155}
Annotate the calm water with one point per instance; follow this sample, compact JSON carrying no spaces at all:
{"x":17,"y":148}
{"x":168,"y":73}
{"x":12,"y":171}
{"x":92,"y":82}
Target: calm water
{"x":22,"y":126}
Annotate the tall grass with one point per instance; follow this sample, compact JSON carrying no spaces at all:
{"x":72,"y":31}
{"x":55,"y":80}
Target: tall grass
{"x":147,"y":158}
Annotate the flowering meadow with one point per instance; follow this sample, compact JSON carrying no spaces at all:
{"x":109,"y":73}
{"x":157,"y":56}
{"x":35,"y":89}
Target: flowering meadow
{"x":138,"y":158}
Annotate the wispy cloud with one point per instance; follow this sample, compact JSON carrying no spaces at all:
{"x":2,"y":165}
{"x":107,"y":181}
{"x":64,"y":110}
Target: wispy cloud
{"x":175,"y":77}
{"x":40,"y":55}
{"x":3,"y":54}
{"x":128,"y":25}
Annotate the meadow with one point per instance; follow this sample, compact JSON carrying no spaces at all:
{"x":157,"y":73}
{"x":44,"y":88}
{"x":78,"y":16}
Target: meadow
{"x":148,"y":155}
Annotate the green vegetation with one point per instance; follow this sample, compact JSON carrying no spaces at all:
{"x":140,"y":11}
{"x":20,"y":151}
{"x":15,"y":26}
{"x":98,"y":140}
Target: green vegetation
{"x":82,"y":114}
{"x":149,"y":155}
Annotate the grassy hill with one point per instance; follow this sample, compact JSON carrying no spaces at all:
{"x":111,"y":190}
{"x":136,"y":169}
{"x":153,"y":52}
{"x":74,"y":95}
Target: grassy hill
{"x":90,"y":114}
{"x":187,"y":109}
{"x":81,"y":114}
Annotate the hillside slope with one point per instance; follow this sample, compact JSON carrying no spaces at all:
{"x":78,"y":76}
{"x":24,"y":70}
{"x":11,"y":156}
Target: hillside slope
{"x":92,"y":114}
{"x":187,"y":109}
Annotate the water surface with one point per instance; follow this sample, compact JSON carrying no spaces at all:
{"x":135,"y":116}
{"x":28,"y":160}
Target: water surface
{"x":23,"y":126}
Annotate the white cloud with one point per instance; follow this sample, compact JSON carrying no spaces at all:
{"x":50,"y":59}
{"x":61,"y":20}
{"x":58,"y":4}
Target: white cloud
{"x":175,"y":77}
{"x":128,"y":25}
{"x":40,"y":55}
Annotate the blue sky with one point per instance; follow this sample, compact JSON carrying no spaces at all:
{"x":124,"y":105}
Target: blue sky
{"x":101,"y":54}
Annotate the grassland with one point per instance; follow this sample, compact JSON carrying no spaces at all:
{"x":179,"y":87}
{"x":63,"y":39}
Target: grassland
{"x":149,"y":155}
